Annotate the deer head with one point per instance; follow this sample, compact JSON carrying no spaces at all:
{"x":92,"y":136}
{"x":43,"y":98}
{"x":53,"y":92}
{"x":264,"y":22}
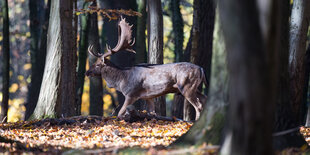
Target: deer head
{"x":125,"y":42}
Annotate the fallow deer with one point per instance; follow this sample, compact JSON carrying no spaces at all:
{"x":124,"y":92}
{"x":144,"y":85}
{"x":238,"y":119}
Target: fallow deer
{"x":147,"y":81}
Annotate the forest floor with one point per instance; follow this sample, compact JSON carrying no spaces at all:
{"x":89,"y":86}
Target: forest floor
{"x":99,"y":135}
{"x":93,"y":134}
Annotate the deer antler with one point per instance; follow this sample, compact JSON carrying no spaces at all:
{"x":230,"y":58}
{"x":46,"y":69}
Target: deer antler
{"x":125,"y":41}
{"x":90,"y":51}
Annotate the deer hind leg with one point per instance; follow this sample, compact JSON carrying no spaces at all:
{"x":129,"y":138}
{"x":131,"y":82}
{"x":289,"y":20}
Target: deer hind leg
{"x":195,"y":102}
{"x":202,"y":97}
{"x":128,"y":101}
{"x":193,"y":98}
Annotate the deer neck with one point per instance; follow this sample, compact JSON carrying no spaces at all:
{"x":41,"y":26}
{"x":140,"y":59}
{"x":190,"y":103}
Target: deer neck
{"x":113,"y":74}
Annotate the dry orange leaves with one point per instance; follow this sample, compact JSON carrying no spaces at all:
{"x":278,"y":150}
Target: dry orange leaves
{"x":93,"y":132}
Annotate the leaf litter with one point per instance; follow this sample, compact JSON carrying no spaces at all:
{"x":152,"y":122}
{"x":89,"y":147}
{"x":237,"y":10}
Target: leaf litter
{"x":91,"y":132}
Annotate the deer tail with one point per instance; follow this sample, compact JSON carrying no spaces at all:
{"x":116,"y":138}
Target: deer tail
{"x":204,"y":79}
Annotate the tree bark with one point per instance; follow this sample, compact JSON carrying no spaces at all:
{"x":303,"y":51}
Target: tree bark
{"x":178,"y":37}
{"x":177,"y":25}
{"x":57,"y":94}
{"x":81,"y":66}
{"x":209,"y":128}
{"x":5,"y":63}
{"x":201,"y":51}
{"x":307,"y":85}
{"x":69,"y":57}
{"x":155,"y":45}
{"x":298,"y":35}
{"x":141,"y":56}
{"x":284,"y":118}
{"x":124,"y":58}
{"x":96,"y":89}
{"x":38,"y":55}
{"x":252,"y":69}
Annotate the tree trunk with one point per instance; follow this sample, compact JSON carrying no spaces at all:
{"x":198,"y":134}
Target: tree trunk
{"x":284,"y":118}
{"x":81,"y":66}
{"x":201,"y":52}
{"x":209,"y":127}
{"x":121,"y":59}
{"x":307,"y":85}
{"x":6,"y":62}
{"x":38,"y":55}
{"x":96,"y":89}
{"x":57,"y":94}
{"x":177,"y":25}
{"x":155,"y":45}
{"x":68,"y":80}
{"x":178,"y":37}
{"x":35,"y":27}
{"x":298,"y":35}
{"x":252,"y":58}
{"x":141,"y":56}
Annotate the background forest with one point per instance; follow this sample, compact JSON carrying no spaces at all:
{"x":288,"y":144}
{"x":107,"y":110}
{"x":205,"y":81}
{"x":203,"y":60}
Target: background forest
{"x":255,"y":56}
{"x":20,"y":39}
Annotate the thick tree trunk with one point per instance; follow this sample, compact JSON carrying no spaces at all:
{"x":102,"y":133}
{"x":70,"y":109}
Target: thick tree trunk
{"x":155,"y":45}
{"x":252,"y":71}
{"x":69,"y":57}
{"x":201,"y":51}
{"x":57,"y":94}
{"x":5,"y":63}
{"x":284,"y":118}
{"x":298,"y":34}
{"x":38,"y":55}
{"x":96,"y":90}
{"x":209,"y":127}
{"x":178,"y":37}
{"x":81,"y":66}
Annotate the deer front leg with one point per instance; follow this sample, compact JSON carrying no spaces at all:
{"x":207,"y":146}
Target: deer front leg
{"x":128,"y":101}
